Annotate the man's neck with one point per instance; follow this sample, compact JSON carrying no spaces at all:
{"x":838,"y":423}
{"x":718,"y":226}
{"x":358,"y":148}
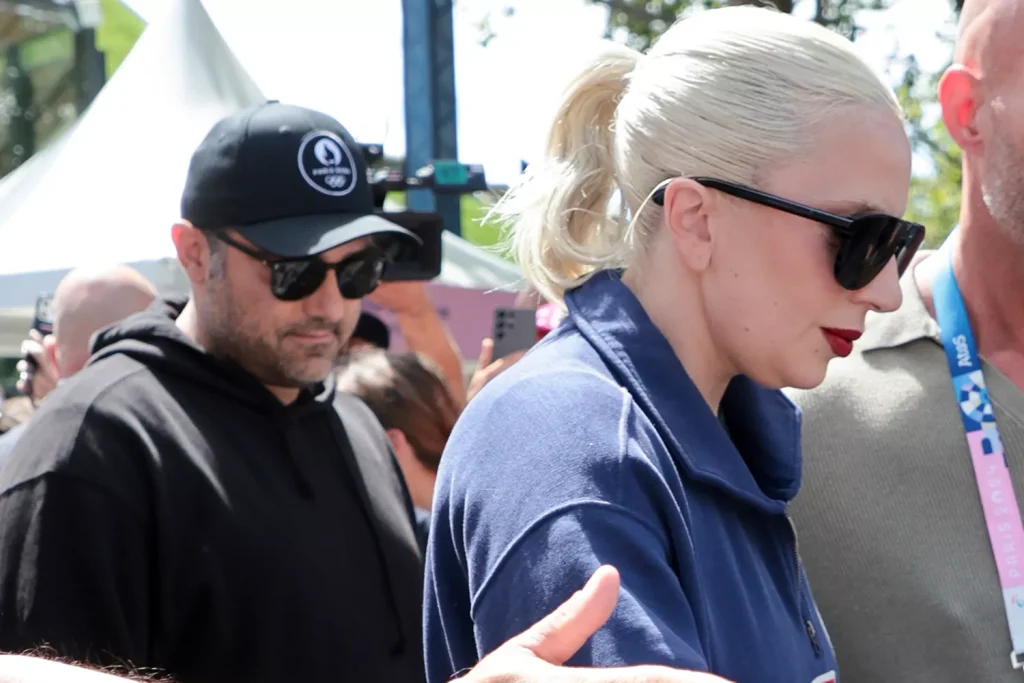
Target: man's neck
{"x":189,"y":323}
{"x":989,"y":268}
{"x":421,"y":489}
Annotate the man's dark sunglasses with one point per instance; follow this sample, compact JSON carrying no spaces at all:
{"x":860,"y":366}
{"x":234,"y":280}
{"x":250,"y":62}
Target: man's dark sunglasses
{"x":868,"y":241}
{"x":296,"y":278}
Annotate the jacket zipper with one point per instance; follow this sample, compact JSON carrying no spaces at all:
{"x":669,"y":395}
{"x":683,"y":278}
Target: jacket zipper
{"x":812,"y":633}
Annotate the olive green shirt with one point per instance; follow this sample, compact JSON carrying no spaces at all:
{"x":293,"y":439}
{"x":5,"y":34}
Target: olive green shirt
{"x":890,"y":522}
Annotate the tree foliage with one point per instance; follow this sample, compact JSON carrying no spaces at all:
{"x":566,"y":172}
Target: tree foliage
{"x":935,"y":191}
{"x":117,"y":33}
{"x":640,"y":22}
{"x":934,"y":196}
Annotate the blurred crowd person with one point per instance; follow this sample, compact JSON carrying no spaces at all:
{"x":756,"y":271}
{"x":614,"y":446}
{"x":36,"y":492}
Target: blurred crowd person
{"x":648,"y":431}
{"x":424,"y":333}
{"x":410,"y":397}
{"x":422,"y":329}
{"x":86,"y":300}
{"x":370,"y":333}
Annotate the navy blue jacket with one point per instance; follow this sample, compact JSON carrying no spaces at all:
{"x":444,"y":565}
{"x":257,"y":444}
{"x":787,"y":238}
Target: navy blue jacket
{"x":596,"y":448}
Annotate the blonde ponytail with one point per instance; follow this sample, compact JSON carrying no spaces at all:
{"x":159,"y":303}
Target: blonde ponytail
{"x":559,"y":210}
{"x":729,"y":93}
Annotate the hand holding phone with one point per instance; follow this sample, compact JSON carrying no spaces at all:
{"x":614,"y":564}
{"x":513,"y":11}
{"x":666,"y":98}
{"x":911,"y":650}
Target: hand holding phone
{"x":487,"y":368}
{"x":37,"y":375}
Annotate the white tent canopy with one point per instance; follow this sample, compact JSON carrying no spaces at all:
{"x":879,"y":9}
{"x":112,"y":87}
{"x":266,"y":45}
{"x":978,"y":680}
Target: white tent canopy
{"x":108,"y":189}
{"x":112,"y":190}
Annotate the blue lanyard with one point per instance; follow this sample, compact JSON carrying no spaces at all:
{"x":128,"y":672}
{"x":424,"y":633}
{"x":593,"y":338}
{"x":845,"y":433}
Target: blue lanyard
{"x":991,"y":470}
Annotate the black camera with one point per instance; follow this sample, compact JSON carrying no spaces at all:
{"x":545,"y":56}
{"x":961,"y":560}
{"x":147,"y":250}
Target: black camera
{"x":384,"y":181}
{"x":372,"y":152}
{"x":419,"y":261}
{"x":411,"y":261}
{"x":450,"y":177}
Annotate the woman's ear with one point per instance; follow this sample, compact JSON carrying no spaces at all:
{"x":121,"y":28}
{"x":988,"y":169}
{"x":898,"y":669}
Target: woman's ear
{"x":688,"y":206}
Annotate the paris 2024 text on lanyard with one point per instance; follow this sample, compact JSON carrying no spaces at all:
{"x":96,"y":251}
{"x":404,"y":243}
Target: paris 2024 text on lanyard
{"x":991,"y":470}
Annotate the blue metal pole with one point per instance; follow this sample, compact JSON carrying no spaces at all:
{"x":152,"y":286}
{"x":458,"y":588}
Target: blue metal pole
{"x":445,"y":128}
{"x":430,"y":123}
{"x":417,"y":39}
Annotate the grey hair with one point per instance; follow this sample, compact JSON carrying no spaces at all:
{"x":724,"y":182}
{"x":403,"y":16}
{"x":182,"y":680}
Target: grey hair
{"x":218,"y":256}
{"x":726,"y":93}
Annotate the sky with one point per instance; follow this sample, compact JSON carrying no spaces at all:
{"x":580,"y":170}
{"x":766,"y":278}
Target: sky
{"x":344,"y":57}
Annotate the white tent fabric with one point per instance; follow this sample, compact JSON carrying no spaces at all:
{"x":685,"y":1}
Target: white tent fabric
{"x":108,"y":189}
{"x":466,"y":265}
{"x":114,"y":187}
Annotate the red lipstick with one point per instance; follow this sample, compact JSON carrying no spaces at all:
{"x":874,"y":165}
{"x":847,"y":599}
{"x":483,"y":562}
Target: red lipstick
{"x":840,"y":340}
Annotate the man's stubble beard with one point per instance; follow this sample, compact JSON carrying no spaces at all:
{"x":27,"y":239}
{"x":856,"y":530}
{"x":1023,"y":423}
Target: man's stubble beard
{"x":1003,"y":187}
{"x":231,"y":337}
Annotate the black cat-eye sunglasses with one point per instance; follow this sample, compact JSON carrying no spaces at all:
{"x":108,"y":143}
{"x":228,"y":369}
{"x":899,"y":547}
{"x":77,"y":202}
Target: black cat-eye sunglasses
{"x":867,"y":240}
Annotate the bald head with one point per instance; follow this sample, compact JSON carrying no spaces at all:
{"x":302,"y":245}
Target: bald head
{"x":988,"y":41}
{"x":982,"y":98}
{"x":86,"y":301}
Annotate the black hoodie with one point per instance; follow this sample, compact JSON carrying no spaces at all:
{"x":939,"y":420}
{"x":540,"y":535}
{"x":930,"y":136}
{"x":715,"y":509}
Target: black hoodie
{"x":164,"y":509}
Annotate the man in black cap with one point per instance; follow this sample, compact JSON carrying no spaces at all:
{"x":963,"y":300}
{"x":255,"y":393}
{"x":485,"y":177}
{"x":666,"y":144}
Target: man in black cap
{"x":200,"y":501}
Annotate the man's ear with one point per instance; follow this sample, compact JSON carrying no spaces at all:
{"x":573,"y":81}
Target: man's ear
{"x":959,"y":94}
{"x":688,"y":205}
{"x":193,"y":249}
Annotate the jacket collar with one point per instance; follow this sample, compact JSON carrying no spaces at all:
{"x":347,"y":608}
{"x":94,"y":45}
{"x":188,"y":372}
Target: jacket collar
{"x":760,"y":465}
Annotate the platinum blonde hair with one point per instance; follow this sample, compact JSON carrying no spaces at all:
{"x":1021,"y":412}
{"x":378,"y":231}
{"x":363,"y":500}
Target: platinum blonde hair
{"x":727,"y":93}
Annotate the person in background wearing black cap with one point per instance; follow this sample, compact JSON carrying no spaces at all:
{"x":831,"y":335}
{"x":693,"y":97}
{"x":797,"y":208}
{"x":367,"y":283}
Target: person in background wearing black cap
{"x":370,"y":332}
{"x":201,"y":501}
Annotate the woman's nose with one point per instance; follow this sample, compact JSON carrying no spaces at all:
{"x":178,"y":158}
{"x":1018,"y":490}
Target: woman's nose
{"x":883,"y":294}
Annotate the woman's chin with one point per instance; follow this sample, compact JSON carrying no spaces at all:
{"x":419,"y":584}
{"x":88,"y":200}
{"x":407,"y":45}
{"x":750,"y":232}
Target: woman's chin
{"x":809,"y":376}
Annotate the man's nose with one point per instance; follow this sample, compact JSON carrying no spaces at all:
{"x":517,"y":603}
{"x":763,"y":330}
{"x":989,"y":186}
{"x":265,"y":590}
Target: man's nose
{"x":326,"y":301}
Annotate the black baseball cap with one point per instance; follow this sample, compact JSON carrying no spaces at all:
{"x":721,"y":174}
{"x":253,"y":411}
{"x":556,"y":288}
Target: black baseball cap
{"x":290,"y":180}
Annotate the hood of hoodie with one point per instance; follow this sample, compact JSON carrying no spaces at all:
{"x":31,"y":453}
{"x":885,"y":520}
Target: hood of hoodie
{"x":154,"y":338}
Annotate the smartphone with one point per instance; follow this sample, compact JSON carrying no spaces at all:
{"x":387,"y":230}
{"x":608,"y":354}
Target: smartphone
{"x":43,"y":321}
{"x":414,"y":261}
{"x":515,"y":329}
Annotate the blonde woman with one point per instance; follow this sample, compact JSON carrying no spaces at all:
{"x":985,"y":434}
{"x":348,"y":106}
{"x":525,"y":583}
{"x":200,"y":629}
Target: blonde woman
{"x":762,"y":168}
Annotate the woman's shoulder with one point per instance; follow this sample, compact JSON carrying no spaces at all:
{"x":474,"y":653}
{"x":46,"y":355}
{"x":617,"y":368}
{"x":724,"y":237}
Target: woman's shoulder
{"x":553,"y":443}
{"x":555,"y":424}
{"x":556,"y":388}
